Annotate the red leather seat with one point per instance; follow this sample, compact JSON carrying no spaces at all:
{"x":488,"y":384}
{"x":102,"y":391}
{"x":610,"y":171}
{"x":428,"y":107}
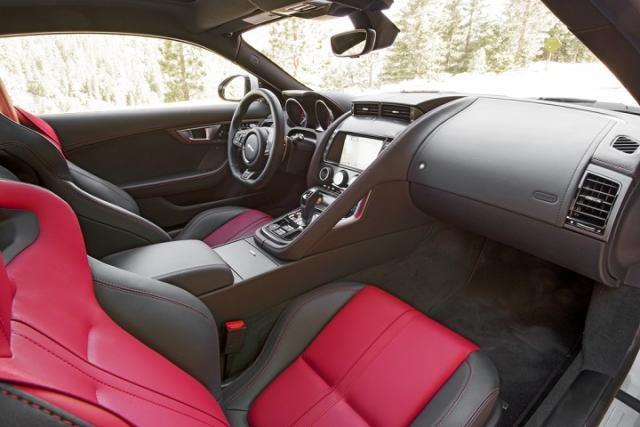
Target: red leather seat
{"x":214,"y":226}
{"x":343,"y":355}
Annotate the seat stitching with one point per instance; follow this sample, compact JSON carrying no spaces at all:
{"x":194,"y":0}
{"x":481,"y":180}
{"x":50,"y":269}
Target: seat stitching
{"x":460,"y":394}
{"x":475,"y":413}
{"x":283,"y":331}
{"x":62,"y":359}
{"x":336,"y":387}
{"x":124,"y":288}
{"x":57,"y":417}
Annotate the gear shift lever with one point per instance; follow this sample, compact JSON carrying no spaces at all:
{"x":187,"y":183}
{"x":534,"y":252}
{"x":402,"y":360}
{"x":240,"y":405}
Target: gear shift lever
{"x":308,"y":202}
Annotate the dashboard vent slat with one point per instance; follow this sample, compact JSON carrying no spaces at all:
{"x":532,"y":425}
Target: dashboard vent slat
{"x":626,"y":144}
{"x":366,"y":109}
{"x":401,"y":112}
{"x":593,"y":203}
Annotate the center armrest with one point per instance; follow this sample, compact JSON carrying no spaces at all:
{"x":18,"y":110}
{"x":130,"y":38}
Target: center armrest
{"x":189,"y":264}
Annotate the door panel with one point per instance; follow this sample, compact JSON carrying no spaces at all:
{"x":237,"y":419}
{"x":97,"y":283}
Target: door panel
{"x":172,"y":176}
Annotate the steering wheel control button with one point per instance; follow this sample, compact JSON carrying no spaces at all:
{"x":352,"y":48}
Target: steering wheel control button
{"x":341,"y":179}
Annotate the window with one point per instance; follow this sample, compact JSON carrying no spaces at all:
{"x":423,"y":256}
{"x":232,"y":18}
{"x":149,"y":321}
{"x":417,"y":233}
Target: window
{"x":79,"y":72}
{"x":504,"y":47}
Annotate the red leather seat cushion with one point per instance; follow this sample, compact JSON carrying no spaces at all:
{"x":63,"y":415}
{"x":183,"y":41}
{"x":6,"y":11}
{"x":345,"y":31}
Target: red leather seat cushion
{"x":243,"y":225}
{"x":378,"y":362}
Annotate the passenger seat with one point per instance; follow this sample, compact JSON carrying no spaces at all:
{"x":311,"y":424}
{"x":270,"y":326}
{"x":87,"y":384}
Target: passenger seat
{"x":84,"y":343}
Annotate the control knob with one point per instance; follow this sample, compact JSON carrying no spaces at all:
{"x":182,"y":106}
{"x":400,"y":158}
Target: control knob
{"x":325,"y":175}
{"x":341,"y":179}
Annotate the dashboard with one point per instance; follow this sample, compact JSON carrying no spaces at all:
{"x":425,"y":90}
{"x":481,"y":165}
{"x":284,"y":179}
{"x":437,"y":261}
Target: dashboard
{"x":555,"y":180}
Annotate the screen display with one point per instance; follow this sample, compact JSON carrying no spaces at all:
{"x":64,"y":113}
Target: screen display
{"x":359,"y":151}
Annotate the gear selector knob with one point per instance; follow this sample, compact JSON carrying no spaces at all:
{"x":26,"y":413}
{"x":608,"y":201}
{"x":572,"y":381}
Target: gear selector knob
{"x":308,"y":202}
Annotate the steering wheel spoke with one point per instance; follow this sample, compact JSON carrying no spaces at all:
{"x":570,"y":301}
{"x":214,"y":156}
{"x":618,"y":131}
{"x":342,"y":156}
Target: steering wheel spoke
{"x":253,"y":154}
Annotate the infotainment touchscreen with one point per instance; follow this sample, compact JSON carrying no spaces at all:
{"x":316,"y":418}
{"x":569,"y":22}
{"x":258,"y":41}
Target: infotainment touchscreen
{"x":354,"y":151}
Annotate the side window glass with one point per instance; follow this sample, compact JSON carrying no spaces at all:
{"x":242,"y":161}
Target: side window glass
{"x":88,"y":72}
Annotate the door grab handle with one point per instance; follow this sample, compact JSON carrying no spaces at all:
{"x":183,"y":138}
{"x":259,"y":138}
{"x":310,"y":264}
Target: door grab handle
{"x":200,"y":134}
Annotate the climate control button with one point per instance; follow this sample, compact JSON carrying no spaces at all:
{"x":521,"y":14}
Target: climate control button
{"x":341,"y":179}
{"x":325,"y":174}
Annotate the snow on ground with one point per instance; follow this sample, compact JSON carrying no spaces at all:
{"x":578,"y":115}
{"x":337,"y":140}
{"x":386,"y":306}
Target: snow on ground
{"x":583,"y":80}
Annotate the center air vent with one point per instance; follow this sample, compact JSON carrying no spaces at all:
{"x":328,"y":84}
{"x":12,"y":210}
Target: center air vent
{"x":366,"y":109}
{"x":401,"y":112}
{"x":405,"y":113}
{"x":625,"y":144}
{"x":593,"y":204}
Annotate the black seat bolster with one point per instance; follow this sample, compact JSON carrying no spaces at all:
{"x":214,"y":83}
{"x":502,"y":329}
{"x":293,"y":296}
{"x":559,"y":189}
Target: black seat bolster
{"x":19,"y":409}
{"x":102,"y":189}
{"x":298,"y":325}
{"x":166,"y":318}
{"x":468,"y":398}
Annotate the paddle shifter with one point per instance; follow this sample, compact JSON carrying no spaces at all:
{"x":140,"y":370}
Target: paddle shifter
{"x":308,"y":202}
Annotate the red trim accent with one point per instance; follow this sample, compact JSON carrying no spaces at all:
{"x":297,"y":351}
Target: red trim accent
{"x":239,"y":227}
{"x":62,"y":341}
{"x":234,"y":325}
{"x":41,"y":126}
{"x":378,"y":362}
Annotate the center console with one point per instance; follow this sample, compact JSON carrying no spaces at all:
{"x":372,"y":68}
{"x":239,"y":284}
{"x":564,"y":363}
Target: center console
{"x":346,"y":155}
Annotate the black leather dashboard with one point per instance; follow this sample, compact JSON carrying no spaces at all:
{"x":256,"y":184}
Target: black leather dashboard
{"x":547,"y":178}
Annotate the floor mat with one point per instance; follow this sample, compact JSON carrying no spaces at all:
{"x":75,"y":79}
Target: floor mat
{"x":525,"y":313}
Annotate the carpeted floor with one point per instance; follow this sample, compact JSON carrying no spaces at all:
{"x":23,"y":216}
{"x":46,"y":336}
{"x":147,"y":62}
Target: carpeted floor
{"x":525,"y":313}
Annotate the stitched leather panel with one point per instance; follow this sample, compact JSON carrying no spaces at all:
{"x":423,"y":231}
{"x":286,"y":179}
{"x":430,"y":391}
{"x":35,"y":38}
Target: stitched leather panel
{"x":63,"y":341}
{"x":377,"y":362}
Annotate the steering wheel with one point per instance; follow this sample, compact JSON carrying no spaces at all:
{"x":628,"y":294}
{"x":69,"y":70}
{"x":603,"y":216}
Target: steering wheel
{"x":255,"y":154}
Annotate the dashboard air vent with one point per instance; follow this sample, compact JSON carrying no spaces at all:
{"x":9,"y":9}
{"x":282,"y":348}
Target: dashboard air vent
{"x":366,"y":109}
{"x":401,"y":112}
{"x":594,"y":201}
{"x":625,"y":144}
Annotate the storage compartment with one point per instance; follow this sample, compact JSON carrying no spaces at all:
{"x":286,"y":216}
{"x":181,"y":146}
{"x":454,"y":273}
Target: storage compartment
{"x":245,"y":259}
{"x":189,"y":264}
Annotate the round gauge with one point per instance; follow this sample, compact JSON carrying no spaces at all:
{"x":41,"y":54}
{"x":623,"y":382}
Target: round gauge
{"x":324,"y":115}
{"x":295,"y":112}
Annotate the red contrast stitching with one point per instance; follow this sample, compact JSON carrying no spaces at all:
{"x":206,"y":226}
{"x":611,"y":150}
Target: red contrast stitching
{"x":42,"y":409}
{"x":117,"y":388}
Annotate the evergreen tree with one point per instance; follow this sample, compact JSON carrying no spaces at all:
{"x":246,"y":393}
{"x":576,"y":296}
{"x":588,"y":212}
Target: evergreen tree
{"x":183,"y":70}
{"x":450,"y":26}
{"x":526,"y":26}
{"x":410,"y":57}
{"x":288,"y":41}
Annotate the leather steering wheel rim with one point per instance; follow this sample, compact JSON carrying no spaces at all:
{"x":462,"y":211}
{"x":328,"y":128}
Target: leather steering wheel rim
{"x":275,"y":144}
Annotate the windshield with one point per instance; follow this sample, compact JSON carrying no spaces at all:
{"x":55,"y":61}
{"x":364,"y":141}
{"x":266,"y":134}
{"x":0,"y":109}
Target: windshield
{"x":504,"y":47}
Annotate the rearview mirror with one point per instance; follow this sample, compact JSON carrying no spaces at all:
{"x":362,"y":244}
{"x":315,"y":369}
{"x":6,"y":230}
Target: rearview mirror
{"x":352,"y":44}
{"x":235,"y":87}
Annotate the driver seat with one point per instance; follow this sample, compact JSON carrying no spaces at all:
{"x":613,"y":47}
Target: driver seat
{"x":109,"y":216}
